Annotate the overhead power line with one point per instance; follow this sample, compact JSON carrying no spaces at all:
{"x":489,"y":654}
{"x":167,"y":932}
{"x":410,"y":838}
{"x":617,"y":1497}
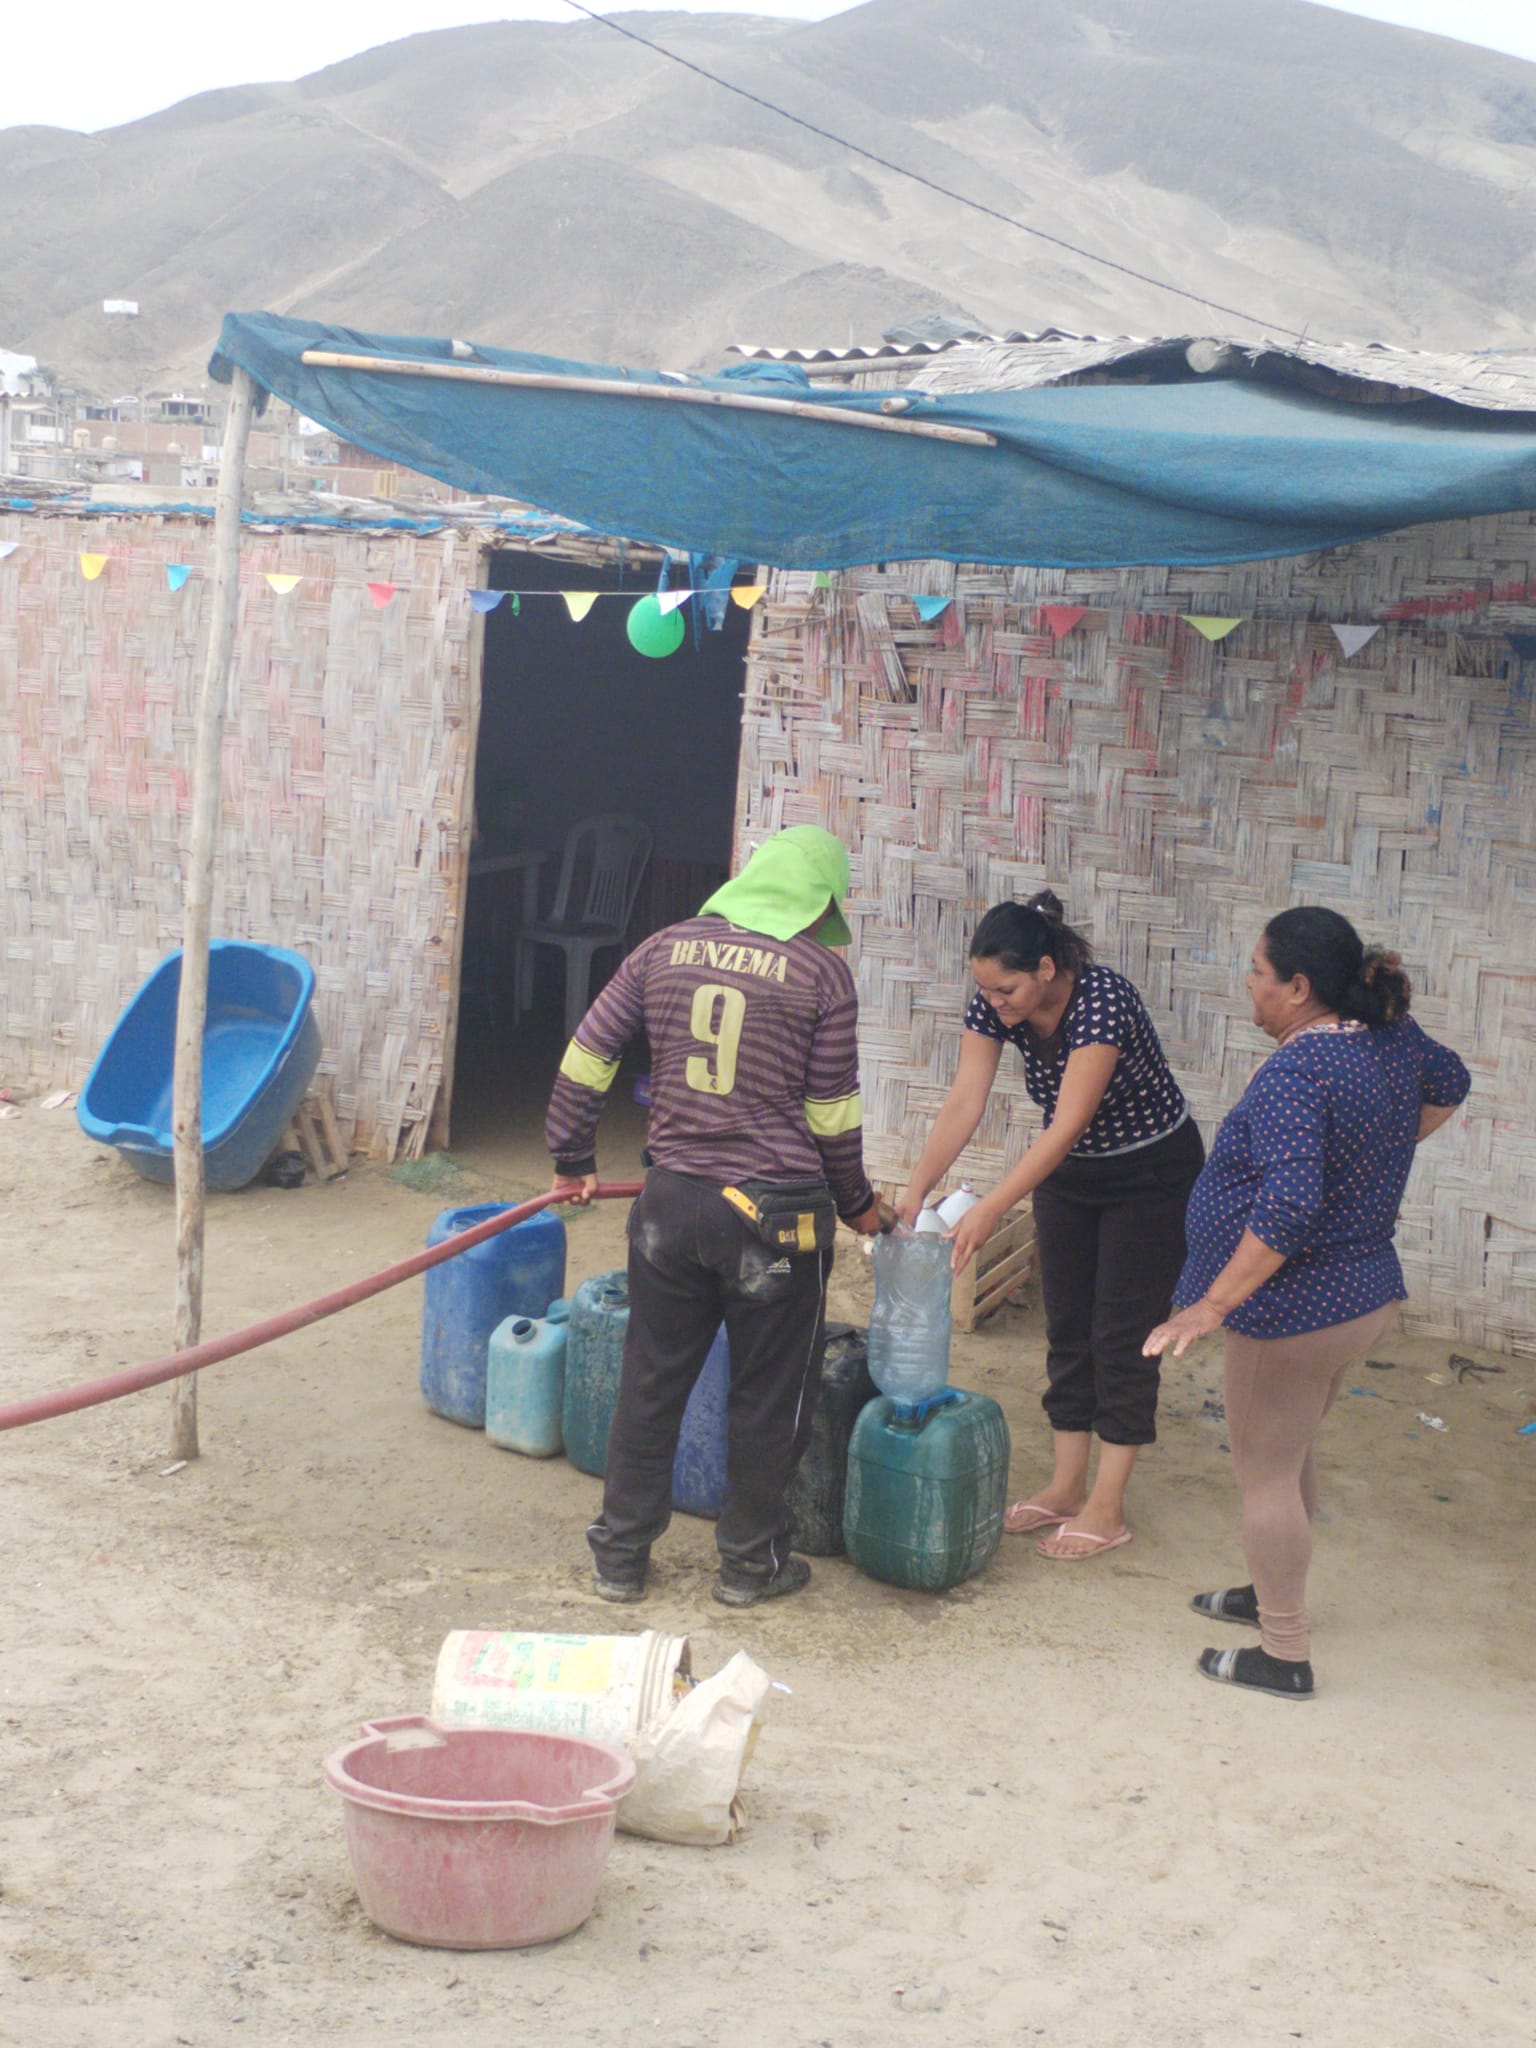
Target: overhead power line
{"x":901,"y":171}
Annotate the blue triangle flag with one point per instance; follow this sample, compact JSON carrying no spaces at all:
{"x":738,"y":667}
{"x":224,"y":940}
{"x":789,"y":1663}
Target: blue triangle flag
{"x":1523,"y":644}
{"x":930,"y":607}
{"x":176,"y":573}
{"x":486,"y":600}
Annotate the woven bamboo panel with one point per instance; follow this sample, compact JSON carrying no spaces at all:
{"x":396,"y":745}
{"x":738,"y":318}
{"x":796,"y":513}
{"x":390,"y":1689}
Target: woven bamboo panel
{"x":1176,"y":794}
{"x":345,"y":819}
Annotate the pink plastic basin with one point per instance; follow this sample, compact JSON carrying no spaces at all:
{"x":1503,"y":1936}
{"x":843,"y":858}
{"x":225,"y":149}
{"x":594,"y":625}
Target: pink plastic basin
{"x":477,"y":1837}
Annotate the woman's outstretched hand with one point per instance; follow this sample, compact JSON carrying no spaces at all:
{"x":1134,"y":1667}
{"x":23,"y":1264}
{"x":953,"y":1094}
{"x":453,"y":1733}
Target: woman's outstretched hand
{"x":910,"y":1207}
{"x":1181,"y":1330}
{"x":973,"y":1230}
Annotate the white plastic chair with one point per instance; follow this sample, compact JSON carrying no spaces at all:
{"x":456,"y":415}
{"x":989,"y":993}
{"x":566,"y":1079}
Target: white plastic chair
{"x":617,"y":848}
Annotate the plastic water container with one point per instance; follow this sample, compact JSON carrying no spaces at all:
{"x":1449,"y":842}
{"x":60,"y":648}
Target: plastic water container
{"x":525,"y":1383}
{"x":816,"y":1492}
{"x":594,"y":1357}
{"x":518,"y":1273}
{"x":698,"y":1470}
{"x":909,"y":1324}
{"x":926,"y":1490}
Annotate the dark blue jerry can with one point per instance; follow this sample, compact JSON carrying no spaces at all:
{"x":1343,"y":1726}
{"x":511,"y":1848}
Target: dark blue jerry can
{"x":518,"y":1273}
{"x":698,"y":1470}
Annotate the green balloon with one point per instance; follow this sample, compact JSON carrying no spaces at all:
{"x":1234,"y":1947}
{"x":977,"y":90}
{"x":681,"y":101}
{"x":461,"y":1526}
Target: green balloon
{"x":653,"y":631}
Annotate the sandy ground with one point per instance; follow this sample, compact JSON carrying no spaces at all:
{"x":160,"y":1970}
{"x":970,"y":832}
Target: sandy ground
{"x":1012,"y":1812}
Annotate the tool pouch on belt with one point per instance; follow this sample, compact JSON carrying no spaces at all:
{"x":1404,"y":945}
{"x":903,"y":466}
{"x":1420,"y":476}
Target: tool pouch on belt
{"x":789,"y":1216}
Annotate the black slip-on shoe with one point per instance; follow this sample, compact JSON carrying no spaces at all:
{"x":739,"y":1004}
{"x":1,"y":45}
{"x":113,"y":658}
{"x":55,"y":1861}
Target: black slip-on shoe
{"x":1233,"y":1603}
{"x":791,"y":1577}
{"x":1283,"y":1677}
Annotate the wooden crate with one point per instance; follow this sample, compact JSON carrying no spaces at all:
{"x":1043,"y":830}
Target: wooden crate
{"x":997,"y":1272}
{"x":314,"y":1133}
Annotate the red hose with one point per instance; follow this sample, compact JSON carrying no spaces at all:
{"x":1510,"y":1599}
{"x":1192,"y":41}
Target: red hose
{"x":91,"y":1393}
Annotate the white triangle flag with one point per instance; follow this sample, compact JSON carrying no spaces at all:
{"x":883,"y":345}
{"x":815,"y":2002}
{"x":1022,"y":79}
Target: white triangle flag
{"x":8,"y":547}
{"x":668,"y":601}
{"x":1353,"y":638}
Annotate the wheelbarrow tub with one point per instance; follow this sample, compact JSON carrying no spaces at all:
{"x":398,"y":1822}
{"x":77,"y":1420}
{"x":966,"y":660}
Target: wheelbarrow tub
{"x":261,"y":1046}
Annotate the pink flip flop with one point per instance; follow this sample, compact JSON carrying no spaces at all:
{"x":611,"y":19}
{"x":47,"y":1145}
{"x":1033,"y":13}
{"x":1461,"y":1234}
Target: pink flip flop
{"x":1040,"y":1518}
{"x":1100,"y":1545}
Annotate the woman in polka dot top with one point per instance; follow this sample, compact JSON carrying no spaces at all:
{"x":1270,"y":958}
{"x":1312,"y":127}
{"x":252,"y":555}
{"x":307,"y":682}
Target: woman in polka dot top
{"x":1110,"y":1175}
{"x":1290,"y":1246}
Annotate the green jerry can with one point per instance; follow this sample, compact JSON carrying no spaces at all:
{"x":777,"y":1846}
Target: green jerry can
{"x":927,"y":1485}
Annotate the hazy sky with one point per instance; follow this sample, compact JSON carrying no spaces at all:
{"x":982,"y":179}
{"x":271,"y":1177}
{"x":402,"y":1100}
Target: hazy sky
{"x":110,"y":61}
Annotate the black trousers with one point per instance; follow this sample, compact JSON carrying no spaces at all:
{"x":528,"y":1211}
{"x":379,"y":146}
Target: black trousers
{"x":1110,"y":1236}
{"x":695,"y":1263}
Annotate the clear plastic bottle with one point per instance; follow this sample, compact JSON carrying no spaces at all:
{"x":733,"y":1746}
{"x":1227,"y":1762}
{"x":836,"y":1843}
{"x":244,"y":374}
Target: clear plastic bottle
{"x":909,"y":1324}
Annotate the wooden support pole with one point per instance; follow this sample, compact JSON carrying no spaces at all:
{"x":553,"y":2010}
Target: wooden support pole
{"x":197,"y":909}
{"x":675,"y":394}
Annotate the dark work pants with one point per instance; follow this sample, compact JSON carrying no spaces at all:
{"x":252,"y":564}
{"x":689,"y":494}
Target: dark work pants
{"x":1110,"y":1236}
{"x":694,"y":1263}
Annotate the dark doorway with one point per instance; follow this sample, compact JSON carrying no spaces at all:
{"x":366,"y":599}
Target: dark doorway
{"x":574,"y":722}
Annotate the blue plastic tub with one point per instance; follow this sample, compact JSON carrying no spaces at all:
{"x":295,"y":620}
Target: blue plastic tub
{"x":261,"y":1046}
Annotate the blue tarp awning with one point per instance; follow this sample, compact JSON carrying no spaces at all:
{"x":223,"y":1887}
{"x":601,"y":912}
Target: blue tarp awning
{"x":1093,"y":476}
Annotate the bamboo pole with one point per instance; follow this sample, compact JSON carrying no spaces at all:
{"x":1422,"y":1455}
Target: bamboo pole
{"x":675,"y":394}
{"x":197,"y":910}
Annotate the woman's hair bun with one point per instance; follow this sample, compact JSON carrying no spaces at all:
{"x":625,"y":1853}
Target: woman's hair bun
{"x":1049,"y":906}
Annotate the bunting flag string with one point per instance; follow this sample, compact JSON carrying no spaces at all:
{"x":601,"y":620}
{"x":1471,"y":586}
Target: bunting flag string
{"x":91,"y":566}
{"x":176,"y":574}
{"x":929,"y":608}
{"x":1061,"y":618}
{"x":1353,"y":638}
{"x":1212,"y":629}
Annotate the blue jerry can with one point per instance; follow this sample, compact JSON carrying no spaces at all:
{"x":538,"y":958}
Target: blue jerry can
{"x":518,"y":1273}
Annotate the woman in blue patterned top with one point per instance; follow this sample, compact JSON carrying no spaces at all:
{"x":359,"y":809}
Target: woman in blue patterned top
{"x":1110,"y":1175}
{"x":1290,"y":1246}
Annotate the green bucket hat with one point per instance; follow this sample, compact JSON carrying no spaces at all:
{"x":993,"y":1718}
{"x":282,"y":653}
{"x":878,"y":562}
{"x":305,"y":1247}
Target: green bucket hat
{"x":787,"y":886}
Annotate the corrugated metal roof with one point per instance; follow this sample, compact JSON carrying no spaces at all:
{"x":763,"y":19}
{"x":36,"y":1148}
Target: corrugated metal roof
{"x":1492,"y":380}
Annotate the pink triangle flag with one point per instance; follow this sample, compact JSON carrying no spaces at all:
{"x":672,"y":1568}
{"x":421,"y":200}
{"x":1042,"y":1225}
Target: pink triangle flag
{"x":381,"y":593}
{"x":91,"y":566}
{"x":669,"y":601}
{"x":579,"y":602}
{"x":1353,"y":638}
{"x":747,"y":594}
{"x":176,"y":573}
{"x":1212,"y":629}
{"x":1061,"y":618}
{"x":282,"y":583}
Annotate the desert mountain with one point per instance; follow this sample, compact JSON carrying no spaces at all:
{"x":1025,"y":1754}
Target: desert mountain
{"x":560,"y":188}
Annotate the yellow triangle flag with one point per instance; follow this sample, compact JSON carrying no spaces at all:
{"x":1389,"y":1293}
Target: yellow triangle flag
{"x":1213,"y":629}
{"x":283,"y":584}
{"x":747,"y":594}
{"x":579,"y":602}
{"x":91,"y":566}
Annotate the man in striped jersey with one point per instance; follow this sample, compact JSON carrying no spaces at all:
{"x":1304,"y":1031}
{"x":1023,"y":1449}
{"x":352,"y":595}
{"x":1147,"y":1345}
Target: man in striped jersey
{"x":752,"y":1021}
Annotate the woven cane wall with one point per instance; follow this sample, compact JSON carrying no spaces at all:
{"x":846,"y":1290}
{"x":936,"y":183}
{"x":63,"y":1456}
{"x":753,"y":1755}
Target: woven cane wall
{"x":345,"y":811}
{"x":1176,"y":793}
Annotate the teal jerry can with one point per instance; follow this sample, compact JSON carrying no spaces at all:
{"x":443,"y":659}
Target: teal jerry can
{"x":594,"y":1359}
{"x":525,"y":1382}
{"x":927,"y":1486}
